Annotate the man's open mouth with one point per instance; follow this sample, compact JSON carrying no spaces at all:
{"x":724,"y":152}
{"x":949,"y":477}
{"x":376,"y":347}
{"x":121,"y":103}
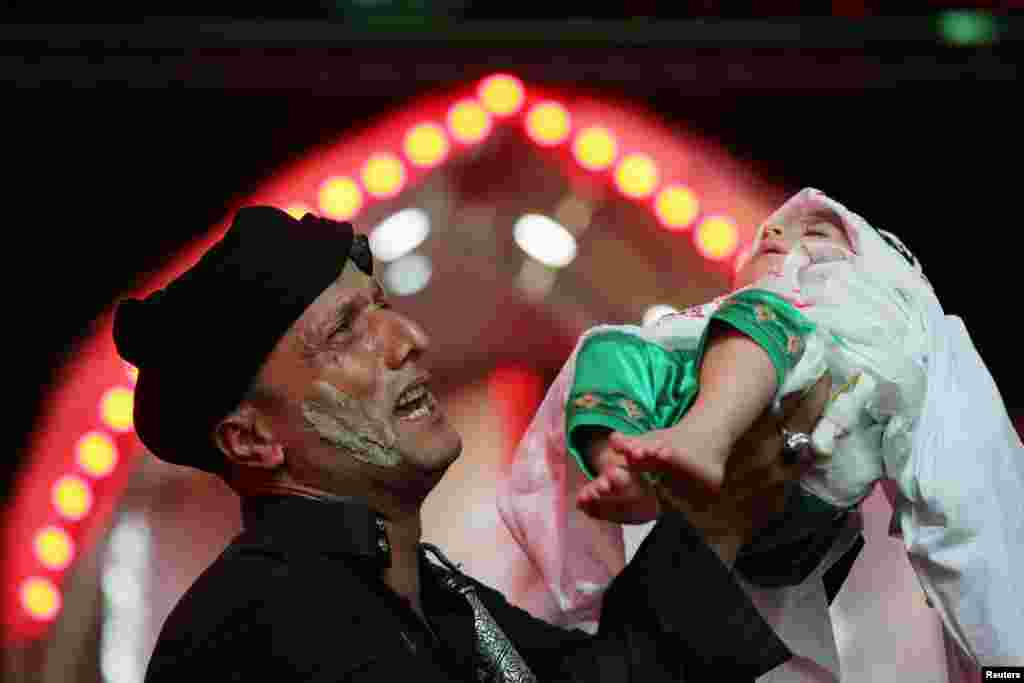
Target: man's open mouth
{"x":415,"y":402}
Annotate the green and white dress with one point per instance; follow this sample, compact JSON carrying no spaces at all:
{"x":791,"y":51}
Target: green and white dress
{"x":638,"y":379}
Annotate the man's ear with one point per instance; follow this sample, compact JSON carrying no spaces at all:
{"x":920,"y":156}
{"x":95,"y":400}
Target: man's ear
{"x":245,"y":440}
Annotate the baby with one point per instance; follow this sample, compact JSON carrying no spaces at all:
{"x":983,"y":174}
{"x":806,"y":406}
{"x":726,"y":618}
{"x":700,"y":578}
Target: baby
{"x":644,"y":412}
{"x":676,"y":401}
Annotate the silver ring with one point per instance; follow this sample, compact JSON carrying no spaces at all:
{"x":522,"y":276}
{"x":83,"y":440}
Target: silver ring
{"x":795,"y":446}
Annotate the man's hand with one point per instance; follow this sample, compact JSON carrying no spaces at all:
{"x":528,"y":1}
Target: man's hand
{"x":754,"y":488}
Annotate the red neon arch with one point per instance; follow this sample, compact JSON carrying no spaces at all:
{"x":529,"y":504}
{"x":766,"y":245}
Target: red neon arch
{"x":74,"y":407}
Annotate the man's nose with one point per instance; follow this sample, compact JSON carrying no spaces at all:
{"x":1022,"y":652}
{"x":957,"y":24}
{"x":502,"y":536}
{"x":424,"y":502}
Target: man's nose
{"x":404,"y":339}
{"x":774,"y":231}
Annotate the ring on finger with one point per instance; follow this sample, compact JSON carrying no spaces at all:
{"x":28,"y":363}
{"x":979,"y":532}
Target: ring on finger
{"x":796,"y":447}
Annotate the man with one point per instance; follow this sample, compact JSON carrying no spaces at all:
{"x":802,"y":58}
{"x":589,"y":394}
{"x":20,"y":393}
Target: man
{"x":277,"y":363}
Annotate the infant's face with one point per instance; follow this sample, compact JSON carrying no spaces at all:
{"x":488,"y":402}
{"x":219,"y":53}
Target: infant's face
{"x":780,"y":236}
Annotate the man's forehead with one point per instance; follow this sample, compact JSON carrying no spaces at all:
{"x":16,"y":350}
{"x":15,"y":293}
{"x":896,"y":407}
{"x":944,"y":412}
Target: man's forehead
{"x":351,"y":283}
{"x":352,"y":280}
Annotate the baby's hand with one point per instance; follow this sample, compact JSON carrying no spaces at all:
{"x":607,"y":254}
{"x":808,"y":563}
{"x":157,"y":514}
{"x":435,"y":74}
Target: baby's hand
{"x":616,"y":494}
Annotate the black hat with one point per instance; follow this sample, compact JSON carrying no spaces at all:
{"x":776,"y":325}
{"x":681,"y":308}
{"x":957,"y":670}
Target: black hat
{"x":199,"y":343}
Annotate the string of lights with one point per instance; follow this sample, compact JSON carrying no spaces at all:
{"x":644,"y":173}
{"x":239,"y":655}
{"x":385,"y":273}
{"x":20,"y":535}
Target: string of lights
{"x":105,"y":450}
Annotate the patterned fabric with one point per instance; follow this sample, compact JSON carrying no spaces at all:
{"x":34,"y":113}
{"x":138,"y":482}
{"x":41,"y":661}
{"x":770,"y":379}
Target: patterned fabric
{"x":498,"y":661}
{"x":633,"y":384}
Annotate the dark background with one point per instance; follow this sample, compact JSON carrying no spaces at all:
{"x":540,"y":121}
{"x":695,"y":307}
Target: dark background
{"x":126,"y":136}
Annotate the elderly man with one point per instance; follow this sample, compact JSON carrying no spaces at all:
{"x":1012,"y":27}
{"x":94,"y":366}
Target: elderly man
{"x":277,"y":363}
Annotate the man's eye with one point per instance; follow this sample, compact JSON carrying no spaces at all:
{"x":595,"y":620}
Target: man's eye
{"x":341,"y":326}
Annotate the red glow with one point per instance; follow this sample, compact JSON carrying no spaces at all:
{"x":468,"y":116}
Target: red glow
{"x":72,"y":497}
{"x":515,"y":393}
{"x":297,"y":211}
{"x":383,"y":175}
{"x":548,"y":123}
{"x":636,"y":176}
{"x":40,"y":598}
{"x":676,"y":207}
{"x":502,"y":94}
{"x":53,"y":451}
{"x":469,"y":122}
{"x":716,"y":238}
{"x":116,"y":408}
{"x":96,"y":454}
{"x":340,"y":198}
{"x":426,"y":145}
{"x":595,"y":148}
{"x":54,"y":548}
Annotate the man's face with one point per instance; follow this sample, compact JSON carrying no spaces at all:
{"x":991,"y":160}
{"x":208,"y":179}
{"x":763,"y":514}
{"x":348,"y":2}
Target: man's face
{"x":355,"y":395}
{"x":783,"y":233}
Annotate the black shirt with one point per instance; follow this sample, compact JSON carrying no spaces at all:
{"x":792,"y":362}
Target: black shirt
{"x":298,"y":596}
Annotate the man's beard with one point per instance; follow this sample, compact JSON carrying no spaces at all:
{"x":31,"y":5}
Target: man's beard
{"x":331,"y":417}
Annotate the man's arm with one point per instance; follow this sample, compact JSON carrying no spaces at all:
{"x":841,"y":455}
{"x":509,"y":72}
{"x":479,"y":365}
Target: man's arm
{"x":676,"y":612}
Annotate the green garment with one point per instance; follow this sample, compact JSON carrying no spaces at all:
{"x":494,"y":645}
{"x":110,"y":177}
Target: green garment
{"x":633,"y":385}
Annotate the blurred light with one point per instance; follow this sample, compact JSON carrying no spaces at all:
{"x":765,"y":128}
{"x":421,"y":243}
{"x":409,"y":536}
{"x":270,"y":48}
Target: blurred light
{"x":127,"y":557}
{"x":125,"y":570}
{"x":574,"y":213}
{"x":595,"y":148}
{"x":407,"y":275}
{"x":133,"y":372}
{"x":399,"y":234}
{"x":297,"y":211}
{"x":536,"y":279}
{"x":383,"y":175}
{"x":40,"y":598}
{"x":501,"y":94}
{"x":636,"y":176}
{"x":677,"y":207}
{"x":340,"y":198}
{"x":426,"y":145}
{"x":121,"y":586}
{"x":716,"y":238}
{"x":657,"y":312}
{"x":545,"y":240}
{"x":469,"y":122}
{"x":116,"y":408}
{"x":54,"y":548}
{"x":967,"y":27}
{"x":515,"y":393}
{"x":96,"y":454}
{"x":72,"y":497}
{"x":548,"y":123}
{"x":119,"y":665}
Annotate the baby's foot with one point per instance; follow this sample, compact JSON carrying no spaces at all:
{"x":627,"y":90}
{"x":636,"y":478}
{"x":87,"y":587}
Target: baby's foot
{"x":673,"y":452}
{"x":618,"y":495}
